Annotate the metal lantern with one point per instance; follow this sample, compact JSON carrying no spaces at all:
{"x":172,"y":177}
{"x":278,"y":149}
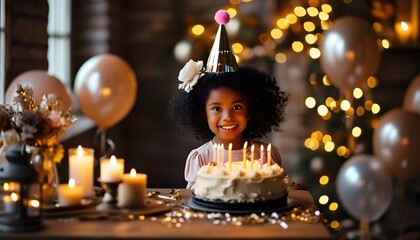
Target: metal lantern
{"x":20,"y":193}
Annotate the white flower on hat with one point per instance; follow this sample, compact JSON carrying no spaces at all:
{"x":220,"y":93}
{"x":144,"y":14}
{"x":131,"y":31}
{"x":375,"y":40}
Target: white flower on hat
{"x":189,"y":75}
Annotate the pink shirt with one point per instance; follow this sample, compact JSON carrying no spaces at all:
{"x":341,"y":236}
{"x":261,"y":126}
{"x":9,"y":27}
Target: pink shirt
{"x":204,"y":155}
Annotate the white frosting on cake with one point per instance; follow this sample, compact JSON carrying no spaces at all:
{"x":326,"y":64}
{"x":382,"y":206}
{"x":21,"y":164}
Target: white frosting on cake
{"x":242,"y":184}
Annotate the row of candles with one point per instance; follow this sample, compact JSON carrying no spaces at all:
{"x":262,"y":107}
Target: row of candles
{"x":132,"y":187}
{"x":217,"y":155}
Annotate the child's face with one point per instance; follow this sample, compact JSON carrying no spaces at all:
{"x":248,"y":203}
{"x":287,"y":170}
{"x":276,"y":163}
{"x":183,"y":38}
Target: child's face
{"x":227,"y":115}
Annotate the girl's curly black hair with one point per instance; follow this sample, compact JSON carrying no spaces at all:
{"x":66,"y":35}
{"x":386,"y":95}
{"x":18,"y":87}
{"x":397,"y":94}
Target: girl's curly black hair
{"x":265,"y":101}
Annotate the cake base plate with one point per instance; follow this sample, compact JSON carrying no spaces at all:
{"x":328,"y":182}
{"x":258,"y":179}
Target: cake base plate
{"x":207,"y":205}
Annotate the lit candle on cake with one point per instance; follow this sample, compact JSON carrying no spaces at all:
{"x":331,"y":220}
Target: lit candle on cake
{"x":215,"y":153}
{"x":230,"y":157}
{"x":132,"y":191}
{"x":252,"y":156}
{"x":11,"y":203}
{"x":81,"y":168}
{"x":69,"y":194}
{"x":218,"y":155}
{"x":262,"y":155}
{"x":244,"y":154}
{"x":269,"y":154}
{"x":112,"y":169}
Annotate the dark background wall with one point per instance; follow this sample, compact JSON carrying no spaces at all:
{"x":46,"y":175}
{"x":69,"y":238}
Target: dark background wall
{"x":144,"y":33}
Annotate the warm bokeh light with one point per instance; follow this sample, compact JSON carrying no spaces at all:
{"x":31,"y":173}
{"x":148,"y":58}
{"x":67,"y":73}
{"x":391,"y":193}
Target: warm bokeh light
{"x":341,"y":151}
{"x":356,"y":132}
{"x":291,"y":18}
{"x":232,"y":12}
{"x":310,"y":38}
{"x":276,"y":33}
{"x":323,"y":180}
{"x":376,"y":108}
{"x":312,"y":11}
{"x":317,"y":135}
{"x":333,"y":206}
{"x":329,"y":146}
{"x":326,"y":8}
{"x":368,"y":105}
{"x":237,"y":48}
{"x":372,"y":82}
{"x":300,"y":11}
{"x":357,"y":93}
{"x":282,"y":23}
{"x":323,"y":199}
{"x":297,"y":46}
{"x":345,"y":105}
{"x":310,"y":102}
{"x":360,"y":111}
{"x":385,"y":43}
{"x":197,"y":29}
{"x":281,"y":58}
{"x":326,"y":81}
{"x":322,"y":110}
{"x":326,"y":138}
{"x":334,"y":224}
{"x":314,"y":53}
{"x":309,"y":26}
{"x":323,"y":16}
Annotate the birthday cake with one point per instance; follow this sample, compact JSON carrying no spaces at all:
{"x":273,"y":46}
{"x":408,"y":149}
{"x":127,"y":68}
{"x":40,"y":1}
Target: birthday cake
{"x":241,"y":183}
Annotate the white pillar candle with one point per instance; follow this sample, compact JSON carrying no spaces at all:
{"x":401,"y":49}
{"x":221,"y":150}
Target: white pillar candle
{"x":81,"y":162}
{"x":112,"y":169}
{"x":132,"y":191}
{"x":69,"y":194}
{"x":11,"y":203}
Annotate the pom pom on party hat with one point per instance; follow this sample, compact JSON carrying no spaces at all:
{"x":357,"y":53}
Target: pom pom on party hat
{"x":221,"y":58}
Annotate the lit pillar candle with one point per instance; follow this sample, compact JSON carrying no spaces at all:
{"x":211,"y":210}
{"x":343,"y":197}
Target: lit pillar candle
{"x":403,"y":31}
{"x":244,"y":154}
{"x":69,"y":194}
{"x":218,"y":156}
{"x":112,"y":169}
{"x":132,"y":191}
{"x":262,"y":155}
{"x":269,"y":154}
{"x":81,"y":168}
{"x":230,"y":157}
{"x":11,"y":203}
{"x":252,"y":156}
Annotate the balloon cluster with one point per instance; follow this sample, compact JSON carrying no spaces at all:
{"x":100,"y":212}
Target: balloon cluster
{"x":105,"y":87}
{"x":364,"y":183}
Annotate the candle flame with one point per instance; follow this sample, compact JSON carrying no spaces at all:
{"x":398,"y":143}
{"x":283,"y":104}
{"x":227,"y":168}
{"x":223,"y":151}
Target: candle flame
{"x":404,"y":26}
{"x":72,"y":183}
{"x":262,"y":148}
{"x":14,"y":197}
{"x":34,"y":203}
{"x":252,"y":148}
{"x":79,"y":151}
{"x":230,"y":146}
{"x":6,"y":186}
{"x":269,"y":147}
{"x":133,"y":172}
{"x":113,"y":161}
{"x":215,"y":146}
{"x":246,"y":144}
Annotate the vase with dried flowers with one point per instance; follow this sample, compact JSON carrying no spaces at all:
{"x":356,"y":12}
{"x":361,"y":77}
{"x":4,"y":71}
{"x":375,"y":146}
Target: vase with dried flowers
{"x":38,"y":123}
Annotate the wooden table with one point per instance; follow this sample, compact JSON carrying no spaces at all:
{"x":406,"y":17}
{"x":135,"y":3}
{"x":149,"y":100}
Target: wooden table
{"x":146,"y":225}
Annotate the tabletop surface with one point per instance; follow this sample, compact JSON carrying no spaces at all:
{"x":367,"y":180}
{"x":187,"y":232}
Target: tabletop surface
{"x":164,"y":218}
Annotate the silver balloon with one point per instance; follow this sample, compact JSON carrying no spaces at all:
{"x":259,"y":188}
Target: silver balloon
{"x":364,"y":187}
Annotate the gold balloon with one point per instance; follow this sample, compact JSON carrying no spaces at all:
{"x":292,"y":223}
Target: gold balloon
{"x":41,"y":83}
{"x":349,"y":53}
{"x":396,"y":142}
{"x":106,"y":89}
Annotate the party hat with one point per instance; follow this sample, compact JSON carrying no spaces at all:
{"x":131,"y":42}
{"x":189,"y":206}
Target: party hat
{"x":221,"y":58}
